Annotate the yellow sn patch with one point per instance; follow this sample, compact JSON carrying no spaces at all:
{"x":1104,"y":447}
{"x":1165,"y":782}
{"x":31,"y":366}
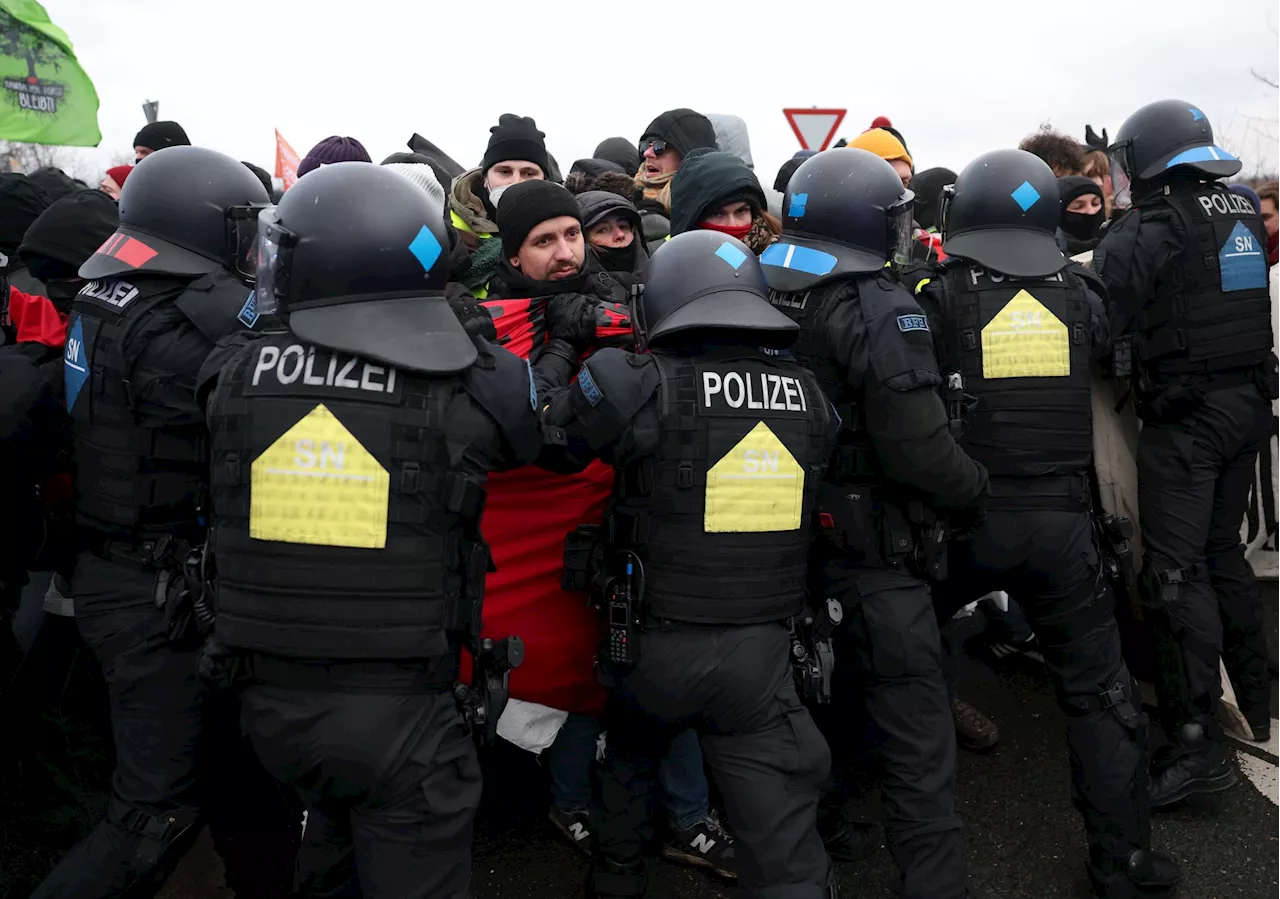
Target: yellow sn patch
{"x":756,"y":486}
{"x":316,"y":484}
{"x":1025,"y":340}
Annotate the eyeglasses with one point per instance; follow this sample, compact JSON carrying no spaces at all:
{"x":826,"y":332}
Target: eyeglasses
{"x":659,"y":147}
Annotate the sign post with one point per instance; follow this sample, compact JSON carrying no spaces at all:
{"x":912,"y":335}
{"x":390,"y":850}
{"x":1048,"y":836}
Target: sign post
{"x":814,"y":128}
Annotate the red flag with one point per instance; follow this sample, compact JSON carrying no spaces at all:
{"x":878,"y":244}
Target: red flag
{"x":286,"y":161}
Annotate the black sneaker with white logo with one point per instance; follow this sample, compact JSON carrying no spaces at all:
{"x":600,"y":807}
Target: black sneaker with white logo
{"x":575,"y":824}
{"x":704,"y":844}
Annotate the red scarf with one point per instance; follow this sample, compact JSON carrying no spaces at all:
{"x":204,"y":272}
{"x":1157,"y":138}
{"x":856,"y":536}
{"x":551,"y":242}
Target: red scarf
{"x":738,"y":231}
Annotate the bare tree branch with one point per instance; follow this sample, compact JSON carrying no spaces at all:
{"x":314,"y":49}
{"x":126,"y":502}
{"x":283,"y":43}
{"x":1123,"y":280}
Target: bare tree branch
{"x":1267,"y":80}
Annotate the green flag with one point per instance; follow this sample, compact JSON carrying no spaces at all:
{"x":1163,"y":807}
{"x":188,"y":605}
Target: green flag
{"x":45,"y":97}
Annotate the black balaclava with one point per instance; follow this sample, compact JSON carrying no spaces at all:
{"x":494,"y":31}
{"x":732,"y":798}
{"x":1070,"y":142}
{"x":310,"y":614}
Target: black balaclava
{"x":927,"y":186}
{"x":1077,"y":225}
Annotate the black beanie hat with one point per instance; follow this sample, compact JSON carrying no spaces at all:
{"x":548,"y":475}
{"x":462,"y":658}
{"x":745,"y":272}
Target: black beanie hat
{"x":927,"y":186}
{"x":158,"y":135}
{"x":621,"y":151}
{"x":68,"y":232}
{"x":683,"y":129}
{"x":528,"y":204}
{"x":1072,"y":186}
{"x":21,"y":202}
{"x":516,"y":137}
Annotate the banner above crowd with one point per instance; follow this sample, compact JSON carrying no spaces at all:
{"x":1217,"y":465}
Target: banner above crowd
{"x":45,"y":96}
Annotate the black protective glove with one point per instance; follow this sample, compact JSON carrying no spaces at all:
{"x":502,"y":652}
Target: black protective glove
{"x":475,"y":317}
{"x":1091,"y":139}
{"x":572,"y":317}
{"x":965,"y":523}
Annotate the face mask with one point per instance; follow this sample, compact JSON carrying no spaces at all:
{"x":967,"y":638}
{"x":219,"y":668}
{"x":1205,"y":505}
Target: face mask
{"x":63,"y":293}
{"x":1083,"y":226}
{"x":738,"y":231}
{"x":496,"y":194}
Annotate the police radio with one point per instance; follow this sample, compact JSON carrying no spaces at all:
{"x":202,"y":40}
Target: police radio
{"x":622,"y":606}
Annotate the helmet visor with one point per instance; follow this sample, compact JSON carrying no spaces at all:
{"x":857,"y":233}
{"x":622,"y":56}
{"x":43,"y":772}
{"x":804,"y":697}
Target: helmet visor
{"x":242,"y":234}
{"x":899,"y":223}
{"x":272,"y":254}
{"x":1121,"y":183}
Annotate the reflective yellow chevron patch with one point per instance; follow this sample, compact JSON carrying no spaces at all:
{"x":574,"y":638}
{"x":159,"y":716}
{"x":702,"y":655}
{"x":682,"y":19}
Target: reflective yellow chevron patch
{"x":316,"y":484}
{"x":1025,"y":340}
{"x":757,"y":486}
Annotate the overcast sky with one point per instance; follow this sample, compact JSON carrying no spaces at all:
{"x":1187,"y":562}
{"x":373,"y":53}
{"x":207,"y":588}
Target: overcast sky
{"x":956,"y":78}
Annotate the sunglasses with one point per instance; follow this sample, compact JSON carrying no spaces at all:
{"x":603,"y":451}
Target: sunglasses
{"x":659,"y":147}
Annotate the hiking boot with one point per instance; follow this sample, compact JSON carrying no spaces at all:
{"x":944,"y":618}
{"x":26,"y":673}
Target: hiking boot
{"x":1196,"y":765}
{"x":974,"y":730}
{"x":704,"y":844}
{"x":575,"y":824}
{"x":1259,"y":718}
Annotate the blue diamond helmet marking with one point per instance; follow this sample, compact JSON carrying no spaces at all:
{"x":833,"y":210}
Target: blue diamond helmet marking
{"x":798,"y":203}
{"x":1196,"y":115}
{"x":732,"y":255}
{"x":1026,"y":196}
{"x":426,"y":248}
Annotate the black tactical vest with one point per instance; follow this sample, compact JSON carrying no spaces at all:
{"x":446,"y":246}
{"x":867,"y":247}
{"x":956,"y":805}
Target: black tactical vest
{"x":854,"y":460}
{"x":341,"y":529}
{"x":1023,"y":348}
{"x":1212,"y":310}
{"x":133,"y":481}
{"x":721,"y":514}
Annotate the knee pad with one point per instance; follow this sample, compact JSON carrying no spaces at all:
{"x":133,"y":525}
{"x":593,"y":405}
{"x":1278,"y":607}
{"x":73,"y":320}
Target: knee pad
{"x":157,"y":834}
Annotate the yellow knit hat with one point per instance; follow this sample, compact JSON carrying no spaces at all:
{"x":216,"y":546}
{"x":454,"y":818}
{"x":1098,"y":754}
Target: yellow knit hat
{"x":883,"y":144}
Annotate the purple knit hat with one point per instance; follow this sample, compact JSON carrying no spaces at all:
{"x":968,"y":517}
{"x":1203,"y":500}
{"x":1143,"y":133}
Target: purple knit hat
{"x":333,"y":149}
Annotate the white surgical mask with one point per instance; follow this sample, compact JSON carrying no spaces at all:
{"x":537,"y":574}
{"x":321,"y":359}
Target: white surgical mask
{"x":496,"y":194}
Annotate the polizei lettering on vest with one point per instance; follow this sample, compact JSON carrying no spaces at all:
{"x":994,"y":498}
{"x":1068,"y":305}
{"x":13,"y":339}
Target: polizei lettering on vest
{"x":754,"y":390}
{"x":1226,"y":203}
{"x":977,"y":274}
{"x":114,"y":293}
{"x":297,"y":364}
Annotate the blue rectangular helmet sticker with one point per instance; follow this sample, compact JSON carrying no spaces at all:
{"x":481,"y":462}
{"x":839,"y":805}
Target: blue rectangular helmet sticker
{"x":731,"y":254}
{"x":798,"y":203}
{"x":913,"y":323}
{"x":426,"y":248}
{"x":1196,"y":115}
{"x":1026,"y":196}
{"x":799,"y":259}
{"x":588,"y":386}
{"x":249,"y":311}
{"x":1200,"y":154}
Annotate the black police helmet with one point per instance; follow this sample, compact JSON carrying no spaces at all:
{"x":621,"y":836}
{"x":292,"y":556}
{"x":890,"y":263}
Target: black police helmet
{"x":708,"y":283}
{"x":845,"y":211}
{"x":184,"y":211}
{"x":1003,"y":213}
{"x":1165,"y":137}
{"x":355,"y":259}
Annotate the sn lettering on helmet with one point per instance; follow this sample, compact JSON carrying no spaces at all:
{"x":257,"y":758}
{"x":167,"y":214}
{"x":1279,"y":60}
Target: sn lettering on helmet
{"x":316,"y":484}
{"x":1025,"y":340}
{"x":761,"y":391}
{"x":755,"y":487}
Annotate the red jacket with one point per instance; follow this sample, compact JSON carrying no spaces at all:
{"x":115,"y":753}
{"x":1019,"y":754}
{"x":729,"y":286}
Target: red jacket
{"x":528,"y":513}
{"x":36,"y":319}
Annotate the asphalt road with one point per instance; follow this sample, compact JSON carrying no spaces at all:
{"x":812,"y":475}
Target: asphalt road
{"x":1025,"y":841}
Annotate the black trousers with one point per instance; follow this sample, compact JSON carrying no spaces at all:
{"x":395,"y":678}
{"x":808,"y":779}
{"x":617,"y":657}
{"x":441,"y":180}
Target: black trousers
{"x":391,"y":784}
{"x":180,"y":759}
{"x":1048,"y":562}
{"x":1194,"y":479}
{"x":890,"y":634}
{"x":733,"y":684}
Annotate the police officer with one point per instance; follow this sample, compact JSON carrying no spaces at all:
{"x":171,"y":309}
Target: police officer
{"x":1186,"y":271}
{"x":162,"y":290}
{"x":719,"y":448}
{"x":350,"y":453}
{"x":1018,"y":326}
{"x":896,"y":471}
